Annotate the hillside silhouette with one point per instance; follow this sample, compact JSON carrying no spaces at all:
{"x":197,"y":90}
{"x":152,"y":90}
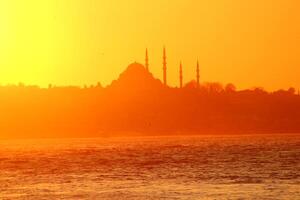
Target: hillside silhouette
{"x":138,"y":103}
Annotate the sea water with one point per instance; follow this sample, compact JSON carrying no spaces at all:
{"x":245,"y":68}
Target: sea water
{"x":191,"y":167}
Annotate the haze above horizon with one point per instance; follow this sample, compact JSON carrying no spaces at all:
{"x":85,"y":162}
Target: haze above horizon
{"x":248,"y":43}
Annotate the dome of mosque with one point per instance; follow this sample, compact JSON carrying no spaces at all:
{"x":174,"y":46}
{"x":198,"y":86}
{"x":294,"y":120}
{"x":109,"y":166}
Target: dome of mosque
{"x":136,"y":76}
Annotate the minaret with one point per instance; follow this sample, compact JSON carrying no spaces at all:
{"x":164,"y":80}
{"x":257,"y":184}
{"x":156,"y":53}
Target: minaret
{"x":165,"y":67}
{"x":180,"y":75}
{"x":147,"y":60}
{"x":198,"y":75}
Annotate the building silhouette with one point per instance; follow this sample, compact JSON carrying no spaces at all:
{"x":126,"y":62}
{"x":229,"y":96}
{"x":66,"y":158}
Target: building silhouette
{"x":164,"y":80}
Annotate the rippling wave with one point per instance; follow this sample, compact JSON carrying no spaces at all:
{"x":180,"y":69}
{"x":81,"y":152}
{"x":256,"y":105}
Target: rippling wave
{"x":204,"y":167}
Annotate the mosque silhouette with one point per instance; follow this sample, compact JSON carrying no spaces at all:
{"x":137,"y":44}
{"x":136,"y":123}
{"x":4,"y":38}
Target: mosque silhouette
{"x":141,"y":70}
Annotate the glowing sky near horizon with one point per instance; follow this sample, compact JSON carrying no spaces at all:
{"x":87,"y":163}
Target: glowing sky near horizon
{"x":77,"y":42}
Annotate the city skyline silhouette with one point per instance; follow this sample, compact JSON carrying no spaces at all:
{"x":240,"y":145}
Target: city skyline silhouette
{"x":137,"y":103}
{"x":163,"y":78}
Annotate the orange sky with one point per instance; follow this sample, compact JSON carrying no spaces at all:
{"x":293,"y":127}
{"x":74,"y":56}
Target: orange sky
{"x":63,"y":42}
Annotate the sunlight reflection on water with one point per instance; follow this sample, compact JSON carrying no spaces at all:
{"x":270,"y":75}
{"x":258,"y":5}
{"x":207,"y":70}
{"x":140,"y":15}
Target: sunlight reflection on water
{"x":204,"y":167}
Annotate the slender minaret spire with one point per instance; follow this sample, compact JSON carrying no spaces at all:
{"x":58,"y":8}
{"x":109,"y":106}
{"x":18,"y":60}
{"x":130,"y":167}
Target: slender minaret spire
{"x":147,"y":60}
{"x":180,"y":75}
{"x":165,"y":66}
{"x":198,"y":75}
